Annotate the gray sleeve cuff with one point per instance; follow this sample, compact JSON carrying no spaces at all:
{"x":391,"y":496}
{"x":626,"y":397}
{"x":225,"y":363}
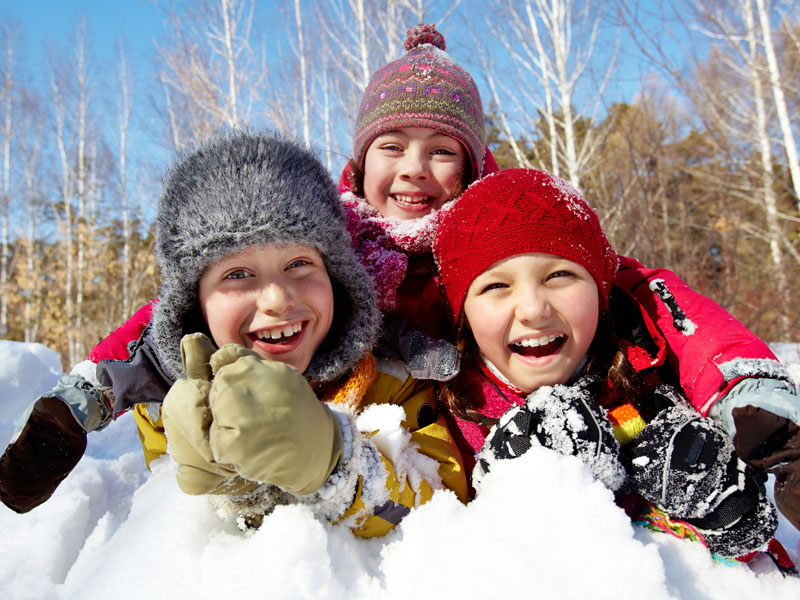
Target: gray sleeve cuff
{"x":774,"y":395}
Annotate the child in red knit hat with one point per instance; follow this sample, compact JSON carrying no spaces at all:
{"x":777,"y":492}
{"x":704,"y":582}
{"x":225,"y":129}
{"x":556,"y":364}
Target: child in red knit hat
{"x":556,"y":355}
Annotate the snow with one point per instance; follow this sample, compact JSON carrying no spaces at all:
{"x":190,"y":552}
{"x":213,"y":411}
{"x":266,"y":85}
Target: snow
{"x":541,"y":527}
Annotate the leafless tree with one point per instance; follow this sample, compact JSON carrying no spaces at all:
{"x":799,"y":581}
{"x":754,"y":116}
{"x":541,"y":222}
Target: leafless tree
{"x":553,"y":48}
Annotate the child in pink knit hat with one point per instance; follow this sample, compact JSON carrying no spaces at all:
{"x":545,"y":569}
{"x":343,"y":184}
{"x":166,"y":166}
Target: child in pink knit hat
{"x":555,"y":354}
{"x":419,"y":141}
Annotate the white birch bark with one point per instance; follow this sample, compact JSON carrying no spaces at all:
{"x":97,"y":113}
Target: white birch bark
{"x":123,"y":119}
{"x":776,"y":84}
{"x":770,"y":204}
{"x":8,"y":90}
{"x":67,"y":227}
{"x":301,"y":55}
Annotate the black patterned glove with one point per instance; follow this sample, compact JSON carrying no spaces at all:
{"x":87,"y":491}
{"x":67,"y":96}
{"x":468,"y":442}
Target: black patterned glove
{"x":564,"y":418}
{"x":686,"y":465}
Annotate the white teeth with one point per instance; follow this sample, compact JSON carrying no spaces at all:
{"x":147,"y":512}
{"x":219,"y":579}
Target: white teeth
{"x":411,"y":199}
{"x":279,"y":332}
{"x":533,"y":342}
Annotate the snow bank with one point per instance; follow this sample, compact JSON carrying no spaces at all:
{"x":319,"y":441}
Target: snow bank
{"x":543,"y":528}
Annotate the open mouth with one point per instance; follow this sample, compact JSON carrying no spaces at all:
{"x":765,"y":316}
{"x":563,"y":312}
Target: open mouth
{"x":278,"y":335}
{"x":538,"y":347}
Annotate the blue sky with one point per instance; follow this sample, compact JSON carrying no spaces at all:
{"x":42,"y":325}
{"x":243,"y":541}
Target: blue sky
{"x":43,"y":20}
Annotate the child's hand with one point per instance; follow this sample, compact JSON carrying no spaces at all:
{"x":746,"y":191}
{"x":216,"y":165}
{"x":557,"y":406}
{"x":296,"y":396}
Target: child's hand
{"x":187,"y":422}
{"x":261,"y":419}
{"x":685,"y":464}
{"x":565,"y":419}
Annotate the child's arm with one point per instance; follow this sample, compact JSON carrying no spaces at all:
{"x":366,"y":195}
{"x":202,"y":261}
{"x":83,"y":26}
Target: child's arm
{"x":727,"y":373}
{"x":707,"y":348}
{"x":49,"y":441}
{"x":115,"y":345}
{"x":51,"y":436}
{"x":242,"y":421}
{"x":564,"y":418}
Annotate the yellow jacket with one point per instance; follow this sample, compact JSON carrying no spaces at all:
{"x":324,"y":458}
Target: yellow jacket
{"x":428,"y":432}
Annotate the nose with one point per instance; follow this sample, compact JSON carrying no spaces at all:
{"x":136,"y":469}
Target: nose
{"x":532,"y":304}
{"x":275,"y":299}
{"x":414,"y":164}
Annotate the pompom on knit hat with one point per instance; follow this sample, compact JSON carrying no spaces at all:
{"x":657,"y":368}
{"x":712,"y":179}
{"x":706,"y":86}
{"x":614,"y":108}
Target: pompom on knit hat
{"x":426,"y":89}
{"x":513,"y":212}
{"x":243,"y":189}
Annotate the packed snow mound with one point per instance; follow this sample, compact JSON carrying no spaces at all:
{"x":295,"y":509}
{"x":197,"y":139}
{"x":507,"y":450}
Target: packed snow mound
{"x":26,"y":370}
{"x":542,"y":527}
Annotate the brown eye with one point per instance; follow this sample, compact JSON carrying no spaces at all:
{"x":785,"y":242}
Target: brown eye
{"x":561,"y":273}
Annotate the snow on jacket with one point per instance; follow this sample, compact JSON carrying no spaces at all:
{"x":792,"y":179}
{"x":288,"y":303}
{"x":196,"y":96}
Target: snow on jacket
{"x":706,"y":347}
{"x":421,"y":438}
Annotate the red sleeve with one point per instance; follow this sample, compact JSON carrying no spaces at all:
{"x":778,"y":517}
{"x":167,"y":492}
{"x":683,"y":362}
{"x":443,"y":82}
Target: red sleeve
{"x":708,"y":349}
{"x":115,"y":345}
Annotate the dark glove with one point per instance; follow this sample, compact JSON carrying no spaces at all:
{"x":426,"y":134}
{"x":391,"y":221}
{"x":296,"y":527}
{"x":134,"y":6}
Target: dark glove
{"x":685,"y":465}
{"x":771,"y":443}
{"x":51,"y":442}
{"x":565,"y":419}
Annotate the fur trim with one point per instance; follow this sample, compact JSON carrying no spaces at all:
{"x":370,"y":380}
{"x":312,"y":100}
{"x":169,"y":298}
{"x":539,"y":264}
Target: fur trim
{"x":243,"y":189}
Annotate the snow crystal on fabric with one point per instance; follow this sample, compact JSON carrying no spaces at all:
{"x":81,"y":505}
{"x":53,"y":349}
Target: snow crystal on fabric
{"x":680,"y":321}
{"x":395,"y":444}
{"x":754,"y":367}
{"x":360,"y":461}
{"x":383,"y":244}
{"x":563,"y":423}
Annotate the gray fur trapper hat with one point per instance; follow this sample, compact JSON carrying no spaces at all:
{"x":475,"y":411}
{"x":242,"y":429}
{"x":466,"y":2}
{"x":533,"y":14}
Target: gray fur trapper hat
{"x":247,"y":188}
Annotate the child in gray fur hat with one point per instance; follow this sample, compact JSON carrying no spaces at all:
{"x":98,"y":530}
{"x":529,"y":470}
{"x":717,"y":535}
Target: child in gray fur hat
{"x":254,"y":255}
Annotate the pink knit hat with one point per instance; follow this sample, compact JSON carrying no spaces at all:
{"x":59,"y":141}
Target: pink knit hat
{"x":425,"y":88}
{"x":513,"y":212}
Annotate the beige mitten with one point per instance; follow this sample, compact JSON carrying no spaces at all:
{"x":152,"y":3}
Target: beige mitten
{"x":268,"y":423}
{"x":187,"y":420}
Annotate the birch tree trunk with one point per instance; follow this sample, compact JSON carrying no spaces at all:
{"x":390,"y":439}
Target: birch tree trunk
{"x":770,"y":204}
{"x":67,"y":226}
{"x":301,"y":54}
{"x":776,"y":84}
{"x":8,"y":92}
{"x":123,"y":119}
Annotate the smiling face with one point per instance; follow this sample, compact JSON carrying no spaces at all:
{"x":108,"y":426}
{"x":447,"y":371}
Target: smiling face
{"x":276,"y":300}
{"x":410,"y":172}
{"x":533,"y":316}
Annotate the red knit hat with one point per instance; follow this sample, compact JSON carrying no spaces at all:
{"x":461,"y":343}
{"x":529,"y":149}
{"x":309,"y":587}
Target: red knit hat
{"x":513,"y":212}
{"x":425,"y":88}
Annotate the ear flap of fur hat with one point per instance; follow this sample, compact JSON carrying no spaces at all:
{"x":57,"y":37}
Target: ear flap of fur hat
{"x":244,"y":189}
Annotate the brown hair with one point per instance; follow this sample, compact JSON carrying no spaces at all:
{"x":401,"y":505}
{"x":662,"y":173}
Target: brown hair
{"x":605,"y":356}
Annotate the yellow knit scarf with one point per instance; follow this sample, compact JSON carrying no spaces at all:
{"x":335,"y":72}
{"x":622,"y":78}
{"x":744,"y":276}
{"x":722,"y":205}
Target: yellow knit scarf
{"x":351,"y":392}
